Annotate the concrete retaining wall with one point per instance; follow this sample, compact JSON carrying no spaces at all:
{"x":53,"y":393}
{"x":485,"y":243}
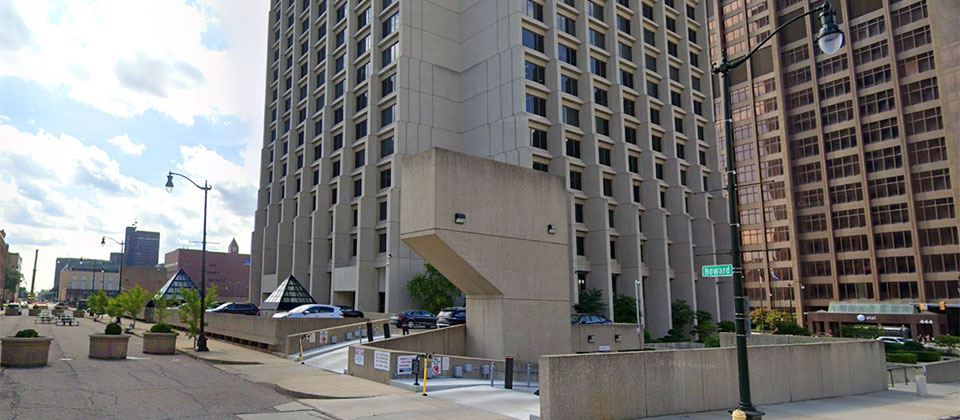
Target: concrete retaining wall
{"x":729,"y":339}
{"x":448,"y":340}
{"x":334,"y":335}
{"x":259,"y":331}
{"x":644,"y":384}
{"x":589,"y":338}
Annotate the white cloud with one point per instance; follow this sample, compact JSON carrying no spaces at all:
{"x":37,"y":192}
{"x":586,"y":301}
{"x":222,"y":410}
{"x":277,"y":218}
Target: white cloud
{"x":61,"y":196}
{"x":126,"y":145}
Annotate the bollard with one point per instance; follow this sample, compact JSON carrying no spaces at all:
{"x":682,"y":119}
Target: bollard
{"x":921,"y":385}
{"x":508,"y":374}
{"x":416,"y":371}
{"x":738,"y":414}
{"x":528,"y":375}
{"x":386,"y":330}
{"x":493,"y":372}
{"x":369,"y":332}
{"x":301,"y":349}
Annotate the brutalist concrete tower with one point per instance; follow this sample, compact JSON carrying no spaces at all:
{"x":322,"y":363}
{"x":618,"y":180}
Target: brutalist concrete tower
{"x":614,"y":96}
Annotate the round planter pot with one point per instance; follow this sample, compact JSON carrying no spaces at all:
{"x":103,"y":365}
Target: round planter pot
{"x":33,"y":312}
{"x":78,"y":314}
{"x":24,"y":352}
{"x":159,"y":343}
{"x":108,"y":346}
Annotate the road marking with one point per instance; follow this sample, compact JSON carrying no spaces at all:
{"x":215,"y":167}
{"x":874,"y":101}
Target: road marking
{"x":66,"y":359}
{"x":138,"y":358}
{"x":174,"y":360}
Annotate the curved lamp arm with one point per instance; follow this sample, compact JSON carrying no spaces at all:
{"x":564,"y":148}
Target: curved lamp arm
{"x":169,"y":185}
{"x":103,"y":241}
{"x":726,"y":66}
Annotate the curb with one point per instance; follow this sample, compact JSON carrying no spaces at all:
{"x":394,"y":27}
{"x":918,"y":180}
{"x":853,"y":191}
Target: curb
{"x":216,"y":361}
{"x":307,"y":395}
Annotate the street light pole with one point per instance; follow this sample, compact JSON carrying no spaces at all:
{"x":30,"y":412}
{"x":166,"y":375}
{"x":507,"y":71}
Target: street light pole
{"x":123,"y":251}
{"x":641,"y":323}
{"x":830,"y":39}
{"x":202,"y":338}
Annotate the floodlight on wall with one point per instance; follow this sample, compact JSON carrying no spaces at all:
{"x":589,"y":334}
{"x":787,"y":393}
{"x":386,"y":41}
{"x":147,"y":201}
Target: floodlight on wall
{"x":616,"y":337}
{"x":589,"y":338}
{"x":459,"y":218}
{"x":551,"y":229}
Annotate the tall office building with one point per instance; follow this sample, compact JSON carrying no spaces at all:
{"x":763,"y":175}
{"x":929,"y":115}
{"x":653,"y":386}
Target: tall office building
{"x":847,"y":163}
{"x":612,"y":96}
{"x":142,"y":248}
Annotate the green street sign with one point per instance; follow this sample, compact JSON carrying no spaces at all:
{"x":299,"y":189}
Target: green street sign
{"x":725,"y":270}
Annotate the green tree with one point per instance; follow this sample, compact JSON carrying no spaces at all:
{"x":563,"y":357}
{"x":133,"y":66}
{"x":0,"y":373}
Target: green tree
{"x":134,"y":300}
{"x":14,"y":277}
{"x":190,"y":309}
{"x":591,"y":302}
{"x":431,"y":291}
{"x":115,"y":308}
{"x":948,"y":341}
{"x":624,"y":309}
{"x":705,"y":327}
{"x":726,"y":326}
{"x":98,"y":303}
{"x":683,"y":317}
{"x":162,"y":306}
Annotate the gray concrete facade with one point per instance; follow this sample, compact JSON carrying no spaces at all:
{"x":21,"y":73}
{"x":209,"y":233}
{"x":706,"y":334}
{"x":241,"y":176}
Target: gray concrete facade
{"x":353,"y":86}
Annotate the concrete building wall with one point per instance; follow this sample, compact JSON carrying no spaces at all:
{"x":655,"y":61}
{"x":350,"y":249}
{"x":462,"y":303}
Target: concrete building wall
{"x":856,"y":152}
{"x":456,"y":80}
{"x":83,"y":281}
{"x":646,"y":384}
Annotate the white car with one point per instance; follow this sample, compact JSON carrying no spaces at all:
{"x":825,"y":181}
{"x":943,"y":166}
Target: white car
{"x":888,"y":339}
{"x":15,"y":306}
{"x":311,"y":311}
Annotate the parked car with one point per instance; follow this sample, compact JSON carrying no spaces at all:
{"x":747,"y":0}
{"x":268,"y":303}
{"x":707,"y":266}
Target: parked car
{"x":15,"y":306}
{"x":452,"y":316}
{"x":349,"y":312}
{"x":587,"y":319}
{"x":236,"y":308}
{"x":415,"y":317}
{"x":888,"y":339}
{"x":311,"y":310}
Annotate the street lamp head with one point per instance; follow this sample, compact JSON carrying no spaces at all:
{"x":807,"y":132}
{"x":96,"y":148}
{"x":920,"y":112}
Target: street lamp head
{"x":169,"y":183}
{"x":830,"y":37}
{"x":103,"y":241}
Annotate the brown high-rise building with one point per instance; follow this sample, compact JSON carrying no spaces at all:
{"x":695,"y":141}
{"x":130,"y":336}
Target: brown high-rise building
{"x":847,"y":163}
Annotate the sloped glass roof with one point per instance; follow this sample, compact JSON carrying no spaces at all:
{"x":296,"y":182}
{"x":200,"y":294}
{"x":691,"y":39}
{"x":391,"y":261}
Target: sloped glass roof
{"x":171,"y":289}
{"x":287,"y":295}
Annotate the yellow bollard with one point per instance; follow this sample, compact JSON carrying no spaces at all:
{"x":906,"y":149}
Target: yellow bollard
{"x":301,"y":349}
{"x":738,"y":414}
{"x":425,"y":364}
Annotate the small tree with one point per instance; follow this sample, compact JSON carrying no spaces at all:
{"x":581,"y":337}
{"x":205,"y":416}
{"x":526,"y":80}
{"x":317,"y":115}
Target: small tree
{"x":13,"y":279}
{"x":431,"y":291}
{"x":190,"y":309}
{"x":115,"y":309}
{"x":949,"y":341}
{"x":591,"y":302}
{"x":624,"y":309}
{"x":134,"y":301}
{"x":705,"y":327}
{"x":683,"y":316}
{"x":162,"y":306}
{"x":726,"y":326}
{"x":98,"y":303}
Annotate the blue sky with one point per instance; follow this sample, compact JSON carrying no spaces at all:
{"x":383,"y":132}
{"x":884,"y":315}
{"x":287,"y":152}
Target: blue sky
{"x":98,"y":100}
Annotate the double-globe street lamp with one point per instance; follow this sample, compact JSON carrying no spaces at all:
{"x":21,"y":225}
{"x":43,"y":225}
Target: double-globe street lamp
{"x":123,"y":254}
{"x":829,"y":39}
{"x":202,"y":338}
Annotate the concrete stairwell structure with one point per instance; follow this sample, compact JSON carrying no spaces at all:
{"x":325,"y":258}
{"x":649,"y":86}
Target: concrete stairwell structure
{"x":499,"y":233}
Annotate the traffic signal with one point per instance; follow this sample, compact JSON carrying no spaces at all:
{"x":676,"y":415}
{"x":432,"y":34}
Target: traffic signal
{"x":943,"y":305}
{"x":923,"y":307}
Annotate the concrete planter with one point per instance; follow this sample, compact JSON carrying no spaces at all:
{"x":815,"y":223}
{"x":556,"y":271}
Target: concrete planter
{"x":57,"y":312}
{"x":11,"y":312}
{"x":159,"y":343}
{"x":108,"y":346}
{"x":78,"y":313}
{"x":33,"y":312}
{"x":24,"y":352}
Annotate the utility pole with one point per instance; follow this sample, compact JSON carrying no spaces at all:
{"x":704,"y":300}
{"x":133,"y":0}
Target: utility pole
{"x":33,"y":281}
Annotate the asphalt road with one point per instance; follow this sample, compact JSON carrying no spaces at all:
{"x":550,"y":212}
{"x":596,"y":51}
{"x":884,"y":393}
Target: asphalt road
{"x":144,"y":386}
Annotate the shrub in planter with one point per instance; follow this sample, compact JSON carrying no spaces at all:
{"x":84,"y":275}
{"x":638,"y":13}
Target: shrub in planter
{"x":893,"y":347}
{"x":902,"y":357}
{"x":927,"y":356}
{"x":711,"y":342}
{"x":913,"y":346}
{"x":113,"y":329}
{"x":25,"y":349}
{"x":161,"y":339}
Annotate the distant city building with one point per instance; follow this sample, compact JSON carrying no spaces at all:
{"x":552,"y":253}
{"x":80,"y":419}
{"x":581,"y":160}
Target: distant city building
{"x":15,"y":260}
{"x":63,"y":262}
{"x":80,"y":280}
{"x":229,"y":271}
{"x":142,"y":248}
{"x":148,"y":278}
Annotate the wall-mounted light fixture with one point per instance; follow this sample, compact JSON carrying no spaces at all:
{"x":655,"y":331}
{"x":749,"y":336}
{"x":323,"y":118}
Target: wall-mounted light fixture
{"x":616,"y":337}
{"x":551,"y":229}
{"x":459,"y":218}
{"x":589,"y":338}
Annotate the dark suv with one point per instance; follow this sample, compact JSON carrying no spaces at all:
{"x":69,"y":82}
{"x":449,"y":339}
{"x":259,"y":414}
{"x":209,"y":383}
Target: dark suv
{"x":452,"y":316}
{"x":413,"y":318}
{"x":236,"y":308}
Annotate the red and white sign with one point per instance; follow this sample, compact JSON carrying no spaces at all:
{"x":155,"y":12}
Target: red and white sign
{"x":435,"y":367}
{"x":323,"y":337}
